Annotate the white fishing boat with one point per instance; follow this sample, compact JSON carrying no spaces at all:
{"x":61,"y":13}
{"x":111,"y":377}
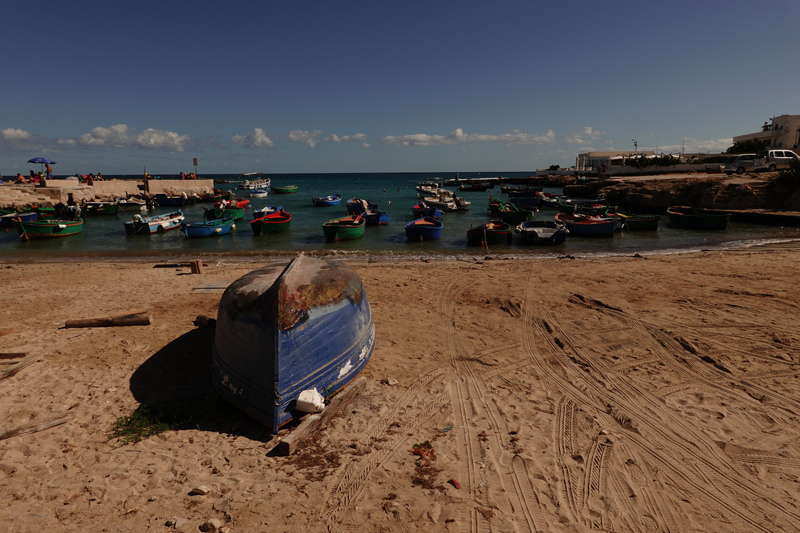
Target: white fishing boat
{"x":254,"y":183}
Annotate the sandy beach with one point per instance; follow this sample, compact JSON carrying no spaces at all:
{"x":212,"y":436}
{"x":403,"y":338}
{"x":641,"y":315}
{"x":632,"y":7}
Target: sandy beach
{"x":627,"y":394}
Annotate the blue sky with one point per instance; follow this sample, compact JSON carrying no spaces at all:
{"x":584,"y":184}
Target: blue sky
{"x":321,"y":86}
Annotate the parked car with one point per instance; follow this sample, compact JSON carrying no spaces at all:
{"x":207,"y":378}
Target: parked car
{"x":739,"y":163}
{"x":772,"y":160}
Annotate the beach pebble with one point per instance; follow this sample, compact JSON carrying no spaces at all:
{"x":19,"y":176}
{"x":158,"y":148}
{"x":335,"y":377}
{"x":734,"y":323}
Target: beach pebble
{"x":391,"y":381}
{"x":202,"y":490}
{"x":211,"y":525}
{"x":222,"y":505}
{"x":175,"y":522}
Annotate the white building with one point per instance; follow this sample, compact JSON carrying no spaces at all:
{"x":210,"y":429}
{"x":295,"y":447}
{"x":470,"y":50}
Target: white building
{"x":591,"y":161}
{"x":784,"y":132}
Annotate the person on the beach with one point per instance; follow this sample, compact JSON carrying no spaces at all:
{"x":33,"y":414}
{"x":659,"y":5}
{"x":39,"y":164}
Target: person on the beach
{"x":99,"y":177}
{"x":49,"y":171}
{"x":32,"y":175}
{"x":183,"y":176}
{"x":20,"y":178}
{"x":71,"y":199}
{"x":90,"y":179}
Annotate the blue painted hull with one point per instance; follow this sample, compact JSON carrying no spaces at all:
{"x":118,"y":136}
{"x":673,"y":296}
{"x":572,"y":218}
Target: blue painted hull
{"x":327,"y":201}
{"x":169,"y":201}
{"x":208,"y":228}
{"x":421,"y":212}
{"x":377,"y":218}
{"x":281,"y":331}
{"x":7,"y":221}
{"x":430,"y":231}
{"x":155,"y":224}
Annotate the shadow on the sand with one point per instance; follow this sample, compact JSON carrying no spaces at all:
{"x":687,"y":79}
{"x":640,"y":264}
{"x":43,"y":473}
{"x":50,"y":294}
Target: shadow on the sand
{"x":176,"y":383}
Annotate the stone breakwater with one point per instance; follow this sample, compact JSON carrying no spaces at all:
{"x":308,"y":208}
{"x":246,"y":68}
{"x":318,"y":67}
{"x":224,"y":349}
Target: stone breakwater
{"x":57,"y":191}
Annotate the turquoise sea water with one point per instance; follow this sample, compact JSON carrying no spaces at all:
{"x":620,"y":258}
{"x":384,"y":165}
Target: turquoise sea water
{"x":104,"y":236}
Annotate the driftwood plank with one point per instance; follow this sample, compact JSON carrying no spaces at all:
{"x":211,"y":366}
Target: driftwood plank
{"x":314,"y":423}
{"x":12,"y":355}
{"x":34,"y":427}
{"x":25,"y":363}
{"x":108,"y":322}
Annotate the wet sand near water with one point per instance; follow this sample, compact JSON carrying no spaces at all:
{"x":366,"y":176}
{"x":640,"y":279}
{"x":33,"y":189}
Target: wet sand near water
{"x":613,"y":394}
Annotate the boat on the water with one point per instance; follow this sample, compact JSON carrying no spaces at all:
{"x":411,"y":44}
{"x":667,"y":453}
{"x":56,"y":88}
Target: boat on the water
{"x":277,"y":222}
{"x":208,"y":228}
{"x":8,"y":216}
{"x":324,"y":201}
{"x":495,"y":232}
{"x":422,"y":209}
{"x":156,"y":224}
{"x":255,"y":183}
{"x":100,"y":208}
{"x":131,"y":205}
{"x":542,"y":232}
{"x":377,"y":218}
{"x":511,"y":214}
{"x":237,"y":213}
{"x":587,"y":226}
{"x":357,"y":206}
{"x":286,"y":189}
{"x":637,"y":222}
{"x":345,"y":228}
{"x":237,"y":203}
{"x":696,"y":218}
{"x":447,"y":201}
{"x":259,"y":193}
{"x":48,"y":228}
{"x":162,"y":200}
{"x":264,"y":211}
{"x":424,"y":229}
{"x":281,"y":331}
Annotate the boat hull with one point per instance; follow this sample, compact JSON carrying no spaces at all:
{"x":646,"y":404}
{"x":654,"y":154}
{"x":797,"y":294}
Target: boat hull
{"x":542,"y":232}
{"x":689,"y":218}
{"x":327,"y":201}
{"x":155,"y":224}
{"x":209,"y":228}
{"x":377,"y":218}
{"x":100,"y":208}
{"x":49,"y":229}
{"x":272,"y":223}
{"x":588,"y":227}
{"x":7,"y":220}
{"x":344,"y":229}
{"x":281,"y":331}
{"x":162,"y":200}
{"x":421,"y":212}
{"x":237,"y":213}
{"x":424,"y":229}
{"x":288,"y":189}
{"x":491,"y":233}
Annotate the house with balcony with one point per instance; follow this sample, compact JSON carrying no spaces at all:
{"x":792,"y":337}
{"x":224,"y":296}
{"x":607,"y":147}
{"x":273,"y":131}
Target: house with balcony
{"x":783,"y":132}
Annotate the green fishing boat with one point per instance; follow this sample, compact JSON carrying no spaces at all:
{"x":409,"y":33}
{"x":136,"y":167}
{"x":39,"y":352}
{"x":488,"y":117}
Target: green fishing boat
{"x":637,"y":222}
{"x":345,"y":228}
{"x":286,"y":189}
{"x":100,"y":208}
{"x":49,"y":228}
{"x":513,"y":215}
{"x":237,"y":213}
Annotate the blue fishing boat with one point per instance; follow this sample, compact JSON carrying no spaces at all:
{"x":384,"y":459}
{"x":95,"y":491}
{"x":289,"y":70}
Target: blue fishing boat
{"x":422,"y":209}
{"x":259,"y":193}
{"x":162,"y":200}
{"x":377,"y":218}
{"x":357,"y":206}
{"x":424,"y":229}
{"x":323,"y":201}
{"x":208,"y":228}
{"x":156,"y":224}
{"x":7,"y":219}
{"x":281,"y":331}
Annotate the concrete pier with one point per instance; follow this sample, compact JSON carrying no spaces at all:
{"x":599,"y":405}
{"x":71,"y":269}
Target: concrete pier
{"x":53,"y":192}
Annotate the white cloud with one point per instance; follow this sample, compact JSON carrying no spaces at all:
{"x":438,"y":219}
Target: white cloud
{"x":345,"y":138}
{"x":366,"y":145}
{"x":585,"y":136}
{"x":305,"y":137}
{"x":255,"y":138}
{"x":459,"y":137}
{"x":695,"y":146}
{"x":123,"y":136}
{"x":16,"y":139}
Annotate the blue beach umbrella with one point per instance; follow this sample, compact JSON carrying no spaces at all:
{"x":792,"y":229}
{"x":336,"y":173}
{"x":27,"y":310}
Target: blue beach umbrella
{"x":42,"y":161}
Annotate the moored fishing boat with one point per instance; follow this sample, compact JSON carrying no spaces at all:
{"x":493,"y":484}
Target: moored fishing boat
{"x":378,"y":218}
{"x":324,"y":201}
{"x":356,"y":206}
{"x":208,"y":228}
{"x":162,"y":200}
{"x":424,"y":229}
{"x":156,"y":224}
{"x":48,"y":228}
{"x":255,"y":183}
{"x":495,"y":232}
{"x":542,"y":232}
{"x":585,"y":226}
{"x":237,"y":213}
{"x":637,"y":222}
{"x":422,"y":209}
{"x":100,"y":208}
{"x":8,"y":216}
{"x":131,"y":204}
{"x":345,"y":228}
{"x":281,"y":331}
{"x":511,"y":214}
{"x":286,"y":189}
{"x":277,"y":222}
{"x":259,"y":193}
{"x":237,"y":203}
{"x":264,"y":211}
{"x":696,"y":218}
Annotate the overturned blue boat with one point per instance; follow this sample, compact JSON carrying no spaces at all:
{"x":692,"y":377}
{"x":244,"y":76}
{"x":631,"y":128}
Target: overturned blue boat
{"x":281,"y":331}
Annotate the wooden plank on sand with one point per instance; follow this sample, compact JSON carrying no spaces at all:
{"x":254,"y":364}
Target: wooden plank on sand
{"x":314,"y":423}
{"x":108,"y":322}
{"x":25,"y":363}
{"x":34,"y":427}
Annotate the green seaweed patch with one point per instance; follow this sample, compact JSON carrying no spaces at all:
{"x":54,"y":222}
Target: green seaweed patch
{"x":141,"y":424}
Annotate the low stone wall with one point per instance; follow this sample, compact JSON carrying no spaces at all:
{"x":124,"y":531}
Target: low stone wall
{"x":55,"y":191}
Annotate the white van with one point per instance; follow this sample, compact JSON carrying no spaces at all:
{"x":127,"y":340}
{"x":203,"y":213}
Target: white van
{"x":772,"y":160}
{"x":738,"y":163}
